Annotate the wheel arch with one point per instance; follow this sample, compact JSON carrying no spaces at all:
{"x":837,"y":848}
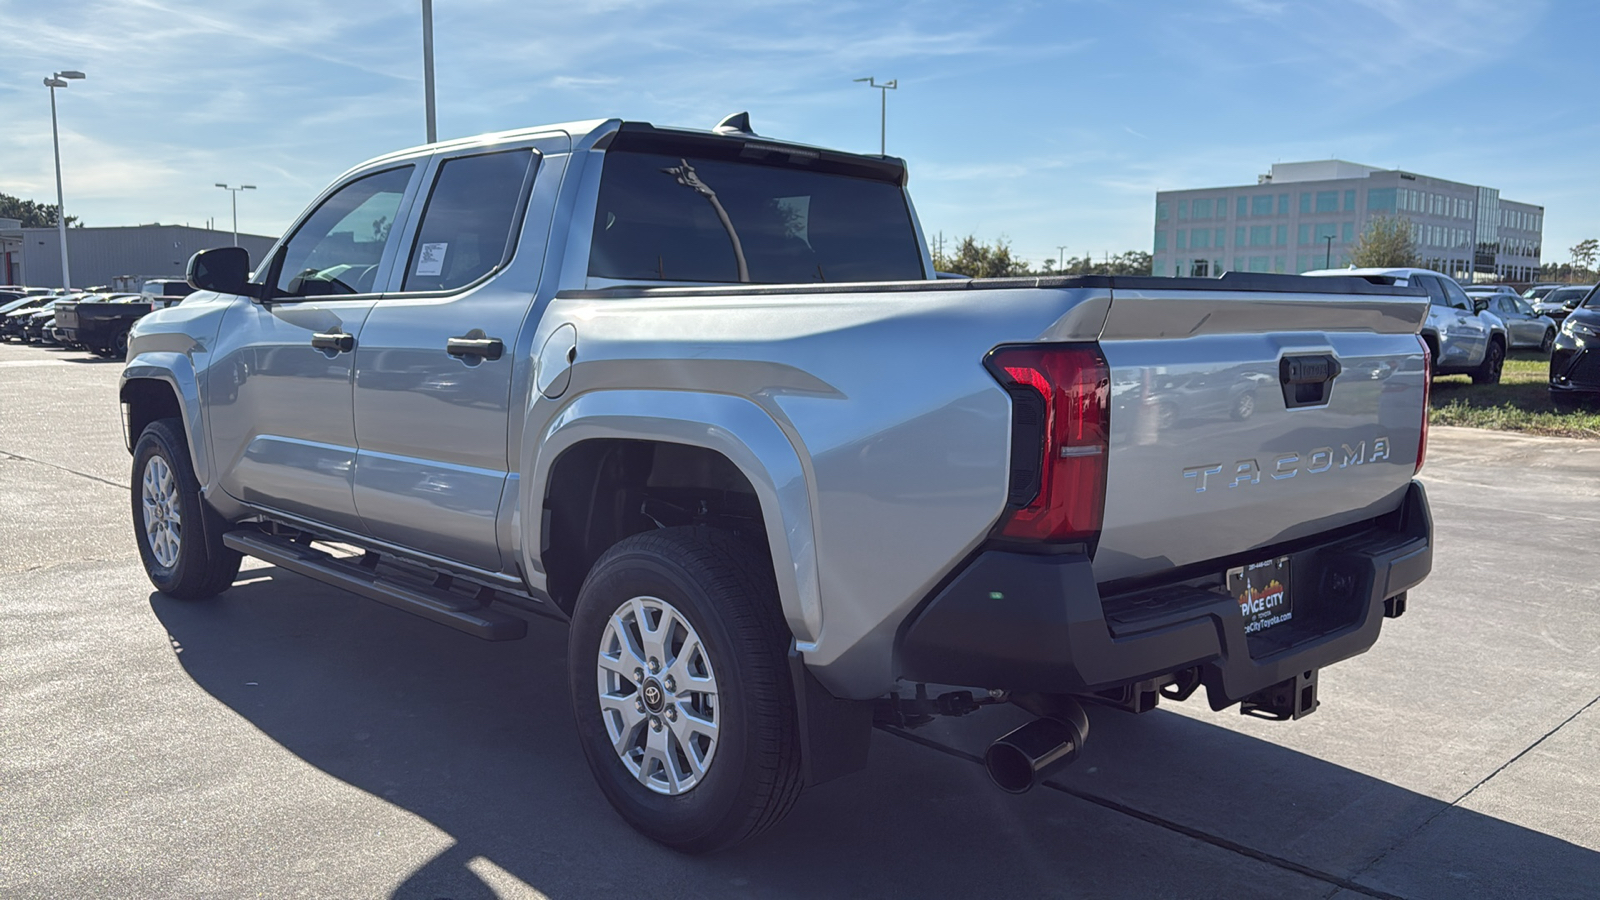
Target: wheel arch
{"x":159,"y":388}
{"x":603,"y":442}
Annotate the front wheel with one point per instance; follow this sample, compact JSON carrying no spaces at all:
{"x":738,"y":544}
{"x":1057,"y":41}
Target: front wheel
{"x":1494,"y":359}
{"x":680,"y":686}
{"x":180,"y":545}
{"x":1549,"y":340}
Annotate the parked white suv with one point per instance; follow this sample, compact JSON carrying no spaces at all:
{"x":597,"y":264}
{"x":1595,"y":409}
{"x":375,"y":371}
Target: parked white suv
{"x":1463,"y":340}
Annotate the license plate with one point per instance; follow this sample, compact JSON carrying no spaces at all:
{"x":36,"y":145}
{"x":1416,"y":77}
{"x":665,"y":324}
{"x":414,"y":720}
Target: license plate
{"x":1262,"y":590}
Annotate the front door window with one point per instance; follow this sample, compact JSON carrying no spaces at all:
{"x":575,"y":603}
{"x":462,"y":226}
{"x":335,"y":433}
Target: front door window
{"x":338,"y":248}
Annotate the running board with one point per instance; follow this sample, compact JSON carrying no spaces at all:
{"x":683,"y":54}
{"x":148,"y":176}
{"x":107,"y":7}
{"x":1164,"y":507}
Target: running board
{"x":360,"y":575}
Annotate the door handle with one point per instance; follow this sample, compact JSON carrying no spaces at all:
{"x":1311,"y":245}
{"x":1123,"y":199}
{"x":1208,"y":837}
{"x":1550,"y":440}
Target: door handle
{"x":337,"y":341}
{"x":482,"y":347}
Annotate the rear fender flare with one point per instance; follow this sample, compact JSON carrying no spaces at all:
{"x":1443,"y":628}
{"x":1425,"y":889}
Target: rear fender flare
{"x":732,"y":426}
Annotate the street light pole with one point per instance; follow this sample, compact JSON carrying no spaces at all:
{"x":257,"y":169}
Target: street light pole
{"x":427,"y":68}
{"x":1327,"y":259}
{"x":883,"y":111}
{"x":234,"y":191}
{"x":58,"y":80}
{"x":1061,"y":257}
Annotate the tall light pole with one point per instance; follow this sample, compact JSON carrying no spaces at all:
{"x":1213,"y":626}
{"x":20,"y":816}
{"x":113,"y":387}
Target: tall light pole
{"x":427,"y":68}
{"x":234,"y":191}
{"x":59,"y":80}
{"x":1327,"y":260}
{"x":883,"y":113}
{"x":1061,"y":258}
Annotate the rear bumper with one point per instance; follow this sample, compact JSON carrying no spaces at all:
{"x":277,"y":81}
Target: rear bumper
{"x":1026,"y":622}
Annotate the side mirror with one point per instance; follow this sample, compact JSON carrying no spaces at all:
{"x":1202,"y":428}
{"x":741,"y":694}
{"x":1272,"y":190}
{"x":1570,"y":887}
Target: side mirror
{"x":225,"y":270}
{"x":1479,"y":305}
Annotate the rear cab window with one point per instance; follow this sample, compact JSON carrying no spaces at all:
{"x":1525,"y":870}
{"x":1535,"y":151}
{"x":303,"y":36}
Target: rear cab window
{"x":731,"y":211}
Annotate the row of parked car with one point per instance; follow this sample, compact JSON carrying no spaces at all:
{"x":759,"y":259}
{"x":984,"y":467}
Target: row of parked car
{"x":96,"y":320}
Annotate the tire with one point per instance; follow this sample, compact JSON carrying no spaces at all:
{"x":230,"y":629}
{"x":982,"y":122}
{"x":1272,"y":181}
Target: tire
{"x":187,"y":559}
{"x":119,"y":345}
{"x":1494,"y":359}
{"x":1548,"y":342}
{"x":695,"y":583}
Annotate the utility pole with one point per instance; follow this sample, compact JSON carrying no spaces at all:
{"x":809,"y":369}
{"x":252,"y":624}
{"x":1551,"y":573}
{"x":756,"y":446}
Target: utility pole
{"x":1327,"y":259}
{"x":1061,"y":257}
{"x":427,"y":69}
{"x":883,"y":113}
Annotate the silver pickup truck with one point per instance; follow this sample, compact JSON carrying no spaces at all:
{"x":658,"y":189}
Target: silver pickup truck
{"x":698,"y":394}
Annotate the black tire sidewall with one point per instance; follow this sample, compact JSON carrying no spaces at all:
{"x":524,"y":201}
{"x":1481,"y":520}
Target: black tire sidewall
{"x":700,"y":818}
{"x":161,"y":438}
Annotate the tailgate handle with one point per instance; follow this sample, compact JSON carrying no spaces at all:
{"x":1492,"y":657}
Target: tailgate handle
{"x":1308,"y":380}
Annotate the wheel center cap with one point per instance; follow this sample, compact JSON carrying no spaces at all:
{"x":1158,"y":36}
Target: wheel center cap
{"x":654,"y":697}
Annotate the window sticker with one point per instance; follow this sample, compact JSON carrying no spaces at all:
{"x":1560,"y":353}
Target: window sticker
{"x":430,"y":261}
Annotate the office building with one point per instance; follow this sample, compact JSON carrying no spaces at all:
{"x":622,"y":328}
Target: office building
{"x":1308,"y":215}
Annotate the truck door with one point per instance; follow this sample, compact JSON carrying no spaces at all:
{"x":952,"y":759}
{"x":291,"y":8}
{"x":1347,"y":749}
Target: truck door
{"x":435,"y":363}
{"x":281,"y":419}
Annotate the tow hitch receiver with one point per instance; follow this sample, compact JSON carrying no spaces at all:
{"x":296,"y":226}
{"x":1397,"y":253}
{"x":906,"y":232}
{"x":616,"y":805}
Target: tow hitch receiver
{"x":1292,"y":698}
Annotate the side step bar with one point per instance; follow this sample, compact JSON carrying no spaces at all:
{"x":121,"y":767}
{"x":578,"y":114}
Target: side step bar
{"x":436,"y":603}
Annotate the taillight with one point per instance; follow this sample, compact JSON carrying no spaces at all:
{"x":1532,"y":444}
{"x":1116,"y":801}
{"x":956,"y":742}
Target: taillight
{"x":1427,"y":398}
{"x":1061,"y":424}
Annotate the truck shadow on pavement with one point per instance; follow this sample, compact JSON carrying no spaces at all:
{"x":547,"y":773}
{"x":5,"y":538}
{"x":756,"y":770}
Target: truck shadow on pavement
{"x":477,"y":738}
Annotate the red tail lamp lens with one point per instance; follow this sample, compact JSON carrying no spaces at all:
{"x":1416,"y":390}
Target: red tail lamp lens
{"x":1074,"y":383}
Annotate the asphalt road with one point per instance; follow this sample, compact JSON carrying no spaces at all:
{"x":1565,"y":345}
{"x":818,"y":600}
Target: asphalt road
{"x":290,"y":740}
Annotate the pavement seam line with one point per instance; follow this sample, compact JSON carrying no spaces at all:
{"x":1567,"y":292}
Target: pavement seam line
{"x":1204,"y":837}
{"x":1481,"y":782}
{"x":20,"y":458}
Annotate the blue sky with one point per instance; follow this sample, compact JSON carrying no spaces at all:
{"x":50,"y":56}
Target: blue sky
{"x":1047,"y":123}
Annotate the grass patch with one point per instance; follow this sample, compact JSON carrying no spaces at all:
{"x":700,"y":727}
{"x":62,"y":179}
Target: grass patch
{"x":1520,"y":402}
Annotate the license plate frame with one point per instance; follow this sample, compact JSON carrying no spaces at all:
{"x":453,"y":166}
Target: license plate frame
{"x":1264,"y":593}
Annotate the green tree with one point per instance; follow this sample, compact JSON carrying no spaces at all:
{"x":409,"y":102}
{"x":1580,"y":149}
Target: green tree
{"x":1385,"y":243}
{"x":1584,"y":255}
{"x":31,"y":214}
{"x":980,"y":260}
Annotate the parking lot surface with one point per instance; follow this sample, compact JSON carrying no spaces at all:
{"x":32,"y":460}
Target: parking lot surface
{"x":291,"y":740}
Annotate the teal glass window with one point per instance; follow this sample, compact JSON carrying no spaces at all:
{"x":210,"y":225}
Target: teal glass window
{"x":1261,"y":235}
{"x":1283,"y":204}
{"x":1238,"y":237}
{"x":1305,"y":233}
{"x":1282,"y":236}
{"x":1183,"y":210}
{"x":1381,"y":200}
{"x":1347,"y":232}
{"x":1305,"y":203}
{"x":1242,"y":208}
{"x":1161,"y":241}
{"x":1327,"y":201}
{"x":1219,"y":241}
{"x":1161,"y":211}
{"x":1202,"y":208}
{"x":1258,"y":264}
{"x":1200,"y":239}
{"x":1327,"y":230}
{"x":1182,"y":235}
{"x":1350,"y":201}
{"x":1261,"y":206}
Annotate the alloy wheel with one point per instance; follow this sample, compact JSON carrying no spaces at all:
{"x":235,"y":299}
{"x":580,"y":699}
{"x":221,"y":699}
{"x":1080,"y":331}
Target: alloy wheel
{"x":658,"y":695}
{"x":163,"y":522}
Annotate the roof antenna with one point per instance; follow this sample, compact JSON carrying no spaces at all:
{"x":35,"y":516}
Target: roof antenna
{"x":738,"y":123}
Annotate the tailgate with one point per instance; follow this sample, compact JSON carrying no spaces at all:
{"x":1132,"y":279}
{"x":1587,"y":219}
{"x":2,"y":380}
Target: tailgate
{"x":1228,"y":436}
{"x":66,"y":315}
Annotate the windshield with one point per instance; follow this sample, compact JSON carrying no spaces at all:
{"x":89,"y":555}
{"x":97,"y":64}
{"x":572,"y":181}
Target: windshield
{"x":1593,"y":301}
{"x":675,"y":218}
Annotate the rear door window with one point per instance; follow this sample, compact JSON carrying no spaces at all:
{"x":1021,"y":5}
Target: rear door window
{"x":1431,"y":285}
{"x":675,"y":218}
{"x":468,"y":226}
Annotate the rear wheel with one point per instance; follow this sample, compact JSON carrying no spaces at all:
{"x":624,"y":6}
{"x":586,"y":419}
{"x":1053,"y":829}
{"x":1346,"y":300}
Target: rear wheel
{"x":680,"y":686}
{"x":1494,"y":359}
{"x":180,"y":543}
{"x":1549,"y":340}
{"x":119,"y":345}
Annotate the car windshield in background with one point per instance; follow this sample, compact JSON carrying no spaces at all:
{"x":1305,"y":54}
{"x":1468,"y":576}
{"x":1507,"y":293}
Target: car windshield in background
{"x":1566,"y":296}
{"x":669,"y":218}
